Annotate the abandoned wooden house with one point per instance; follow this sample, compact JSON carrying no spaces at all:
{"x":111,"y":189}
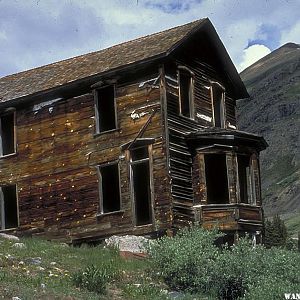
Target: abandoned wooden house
{"x":138,"y":138}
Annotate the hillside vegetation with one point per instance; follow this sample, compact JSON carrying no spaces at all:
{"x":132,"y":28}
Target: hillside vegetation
{"x":273,"y":110}
{"x":38,"y":269}
{"x":188,"y":266}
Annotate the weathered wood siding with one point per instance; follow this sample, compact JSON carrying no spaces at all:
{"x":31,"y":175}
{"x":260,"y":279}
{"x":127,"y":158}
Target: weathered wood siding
{"x":55,"y":165}
{"x":181,"y":158}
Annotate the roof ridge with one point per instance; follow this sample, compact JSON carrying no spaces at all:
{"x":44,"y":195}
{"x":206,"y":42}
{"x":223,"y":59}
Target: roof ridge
{"x":196,"y":22}
{"x":146,"y":48}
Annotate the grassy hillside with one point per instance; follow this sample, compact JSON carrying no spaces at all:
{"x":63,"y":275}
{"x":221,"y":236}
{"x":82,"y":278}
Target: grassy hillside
{"x":185,"y":267}
{"x":273,"y":111}
{"x":45,"y":270}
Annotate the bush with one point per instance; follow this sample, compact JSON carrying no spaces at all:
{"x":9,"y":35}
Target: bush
{"x":145,"y":292}
{"x":275,"y":233}
{"x":95,"y":279}
{"x":191,"y":262}
{"x":187,"y":261}
{"x":268,"y":288}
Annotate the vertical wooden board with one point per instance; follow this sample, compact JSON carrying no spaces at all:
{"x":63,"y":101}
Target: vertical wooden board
{"x":232,"y":177}
{"x":58,"y":151}
{"x":199,"y":182}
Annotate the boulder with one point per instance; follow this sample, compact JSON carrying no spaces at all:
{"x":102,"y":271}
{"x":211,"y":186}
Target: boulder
{"x":9,"y":237}
{"x":129,"y":245}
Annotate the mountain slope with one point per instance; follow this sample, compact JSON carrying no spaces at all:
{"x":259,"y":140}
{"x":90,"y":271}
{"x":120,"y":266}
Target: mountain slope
{"x":273,"y":110}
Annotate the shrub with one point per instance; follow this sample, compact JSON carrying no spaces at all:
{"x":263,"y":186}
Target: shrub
{"x":191,"y":262}
{"x":187,"y":261}
{"x":145,"y":292}
{"x":95,"y":279}
{"x":275,"y":233}
{"x":268,"y":288}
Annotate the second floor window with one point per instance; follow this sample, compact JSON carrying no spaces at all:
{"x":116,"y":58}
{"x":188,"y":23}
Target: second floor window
{"x":186,"y":94}
{"x":218,"y":104}
{"x":7,"y":133}
{"x":105,"y":105}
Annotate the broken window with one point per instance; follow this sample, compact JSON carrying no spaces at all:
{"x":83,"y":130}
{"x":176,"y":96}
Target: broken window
{"x":105,"y":109}
{"x":8,"y":207}
{"x":216,"y":179}
{"x":109,"y":188}
{"x":7,"y":133}
{"x":141,"y":185}
{"x":218,"y":106}
{"x":246,"y":183}
{"x":186,"y":83}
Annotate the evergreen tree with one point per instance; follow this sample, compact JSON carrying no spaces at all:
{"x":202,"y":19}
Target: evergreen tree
{"x":275,"y":233}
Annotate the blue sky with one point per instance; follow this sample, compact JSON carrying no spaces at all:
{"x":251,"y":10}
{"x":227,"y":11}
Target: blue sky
{"x":38,"y":32}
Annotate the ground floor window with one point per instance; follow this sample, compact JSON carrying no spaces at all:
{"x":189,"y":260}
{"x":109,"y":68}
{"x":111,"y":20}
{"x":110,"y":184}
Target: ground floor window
{"x":8,"y":207}
{"x":141,"y":185}
{"x":223,"y":177}
{"x":244,"y":173}
{"x":216,"y":178}
{"x":109,"y":184}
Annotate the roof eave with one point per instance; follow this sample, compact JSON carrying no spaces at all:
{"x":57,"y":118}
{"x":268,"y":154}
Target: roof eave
{"x":206,"y":25}
{"x":89,"y":80}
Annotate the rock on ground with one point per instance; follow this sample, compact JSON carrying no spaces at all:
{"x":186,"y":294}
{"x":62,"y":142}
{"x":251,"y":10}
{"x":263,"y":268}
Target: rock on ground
{"x":9,"y":237}
{"x":19,"y":246}
{"x":128,"y":243}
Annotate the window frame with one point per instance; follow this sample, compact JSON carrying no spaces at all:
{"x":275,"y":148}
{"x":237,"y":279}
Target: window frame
{"x":225,"y":153}
{"x":148,"y":159}
{"x":96,"y":108}
{"x":100,"y":186}
{"x":222,"y":103}
{"x":252,"y":198}
{"x":191,"y":74}
{"x":5,"y":113}
{"x":2,"y":208}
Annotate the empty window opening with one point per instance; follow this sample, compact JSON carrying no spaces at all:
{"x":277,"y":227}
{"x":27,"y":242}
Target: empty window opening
{"x":186,"y":93}
{"x":105,"y":109}
{"x":217,"y":96}
{"x":9,"y":207}
{"x":216,"y":179}
{"x":7,"y":126}
{"x":109,"y":188}
{"x":245,"y":179}
{"x":141,"y":185}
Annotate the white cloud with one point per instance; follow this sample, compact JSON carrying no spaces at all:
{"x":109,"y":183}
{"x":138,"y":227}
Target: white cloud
{"x":40,"y":32}
{"x":236,"y":37}
{"x":3,"y":35}
{"x":291,"y":35}
{"x":253,"y":54}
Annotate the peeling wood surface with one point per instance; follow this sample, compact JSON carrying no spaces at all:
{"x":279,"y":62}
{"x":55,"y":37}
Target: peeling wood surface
{"x":187,"y":169}
{"x":55,"y":166}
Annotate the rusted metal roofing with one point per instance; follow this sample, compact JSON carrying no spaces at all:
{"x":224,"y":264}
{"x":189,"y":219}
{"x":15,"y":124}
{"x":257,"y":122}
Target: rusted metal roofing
{"x":70,"y":70}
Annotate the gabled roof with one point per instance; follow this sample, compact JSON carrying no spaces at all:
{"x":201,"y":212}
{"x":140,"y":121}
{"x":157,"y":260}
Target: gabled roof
{"x":52,"y":76}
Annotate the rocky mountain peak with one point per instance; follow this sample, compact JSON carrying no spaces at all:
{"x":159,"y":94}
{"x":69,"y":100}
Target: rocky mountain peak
{"x":273,"y":110}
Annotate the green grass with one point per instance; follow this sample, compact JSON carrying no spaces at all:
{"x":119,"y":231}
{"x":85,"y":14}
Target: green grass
{"x":52,"y":277}
{"x":293,"y":224}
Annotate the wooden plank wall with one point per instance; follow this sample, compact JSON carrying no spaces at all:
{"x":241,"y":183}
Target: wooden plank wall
{"x":55,"y":165}
{"x":181,"y":158}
